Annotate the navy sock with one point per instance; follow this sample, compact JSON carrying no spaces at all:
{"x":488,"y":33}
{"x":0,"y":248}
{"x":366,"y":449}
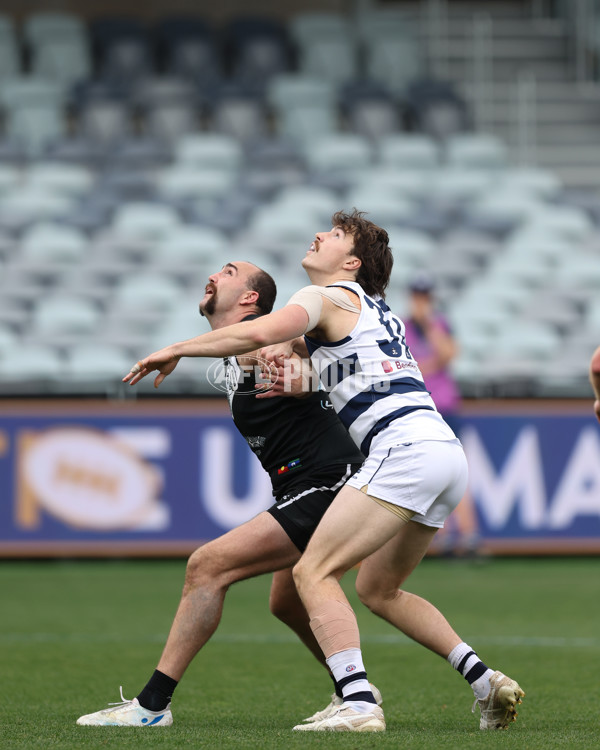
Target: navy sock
{"x":158,"y":692}
{"x":338,"y":689}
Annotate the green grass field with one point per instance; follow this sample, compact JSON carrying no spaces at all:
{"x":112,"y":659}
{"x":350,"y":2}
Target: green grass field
{"x":72,"y":632}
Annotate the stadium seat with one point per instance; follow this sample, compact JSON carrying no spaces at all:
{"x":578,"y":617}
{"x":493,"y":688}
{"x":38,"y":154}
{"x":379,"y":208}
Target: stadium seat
{"x":540,"y":183}
{"x":29,"y":363}
{"x":194,"y":57}
{"x":374,"y":117}
{"x":69,"y":179}
{"x":28,"y":204}
{"x":104,"y":121}
{"x":311,"y":198}
{"x":90,"y":363}
{"x":190,"y":246}
{"x":521,"y":270}
{"x":456,"y":186}
{"x":171,"y":122}
{"x":64,"y":60}
{"x":183,"y":181}
{"x":343,"y":152}
{"x":436,"y":108}
{"x":35,"y":127}
{"x":501,"y":210}
{"x":257,"y":48}
{"x":181,"y":323}
{"x":302,"y":124}
{"x":476,"y":151}
{"x":47,"y":243}
{"x":139,"y":153}
{"x":393,"y":60}
{"x":533,"y":340}
{"x":145,"y":292}
{"x":10,"y":58}
{"x":548,"y":306}
{"x":60,"y":314}
{"x":390,"y":23}
{"x":538,"y":246}
{"x":412,"y":250}
{"x":8,"y":340}
{"x":411,"y":183}
{"x":335,"y":59}
{"x":10,"y":177}
{"x":43,"y":26}
{"x":582,"y":272}
{"x":408,"y":151}
{"x":241,"y":116}
{"x":209,"y":150}
{"x":145,"y":220}
{"x":382,"y":208}
{"x":288,"y":90}
{"x":287,"y":222}
{"x":308,"y":25}
{"x":567,"y":222}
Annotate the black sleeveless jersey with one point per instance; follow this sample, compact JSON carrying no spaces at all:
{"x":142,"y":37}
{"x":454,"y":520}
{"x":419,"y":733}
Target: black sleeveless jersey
{"x":290,"y":436}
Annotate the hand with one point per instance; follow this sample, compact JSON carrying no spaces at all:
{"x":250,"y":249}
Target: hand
{"x":277,"y":351}
{"x":165,"y":361}
{"x":290,"y":376}
{"x":597,"y":409}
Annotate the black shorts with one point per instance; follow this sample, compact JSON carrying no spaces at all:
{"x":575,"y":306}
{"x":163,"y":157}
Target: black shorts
{"x":301,"y":506}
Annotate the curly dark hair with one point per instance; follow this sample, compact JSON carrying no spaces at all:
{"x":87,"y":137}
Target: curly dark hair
{"x":264,"y":284}
{"x":371,"y":245}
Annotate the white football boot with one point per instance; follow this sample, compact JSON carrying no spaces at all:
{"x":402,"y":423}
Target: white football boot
{"x":347,"y":719}
{"x":127,"y":714}
{"x":498,"y":708}
{"x":337,"y":701}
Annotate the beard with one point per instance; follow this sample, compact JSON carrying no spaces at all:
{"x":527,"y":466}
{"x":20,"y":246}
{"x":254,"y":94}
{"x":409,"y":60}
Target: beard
{"x":208,"y":308}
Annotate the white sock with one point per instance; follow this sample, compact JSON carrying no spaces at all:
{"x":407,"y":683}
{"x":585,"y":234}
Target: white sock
{"x":475,"y":672}
{"x":344,"y":666}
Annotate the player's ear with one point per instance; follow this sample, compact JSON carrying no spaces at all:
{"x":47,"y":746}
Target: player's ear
{"x":352,"y":263}
{"x":249,"y":297}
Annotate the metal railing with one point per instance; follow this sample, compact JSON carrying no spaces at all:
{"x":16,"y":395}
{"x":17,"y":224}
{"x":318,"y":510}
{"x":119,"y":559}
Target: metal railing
{"x":524,"y":121}
{"x":482,"y":42}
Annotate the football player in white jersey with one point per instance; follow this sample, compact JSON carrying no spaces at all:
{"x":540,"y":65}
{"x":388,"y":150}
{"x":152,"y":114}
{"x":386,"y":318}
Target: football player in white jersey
{"x":415,"y":472}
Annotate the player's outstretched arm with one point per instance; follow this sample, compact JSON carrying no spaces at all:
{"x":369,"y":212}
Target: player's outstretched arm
{"x":281,"y":325}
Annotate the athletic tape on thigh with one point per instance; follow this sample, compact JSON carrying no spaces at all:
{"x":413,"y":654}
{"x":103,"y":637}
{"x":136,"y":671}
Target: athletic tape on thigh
{"x":335,"y":628}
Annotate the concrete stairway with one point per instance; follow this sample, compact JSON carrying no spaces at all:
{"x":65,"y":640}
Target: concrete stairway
{"x":557,"y":124}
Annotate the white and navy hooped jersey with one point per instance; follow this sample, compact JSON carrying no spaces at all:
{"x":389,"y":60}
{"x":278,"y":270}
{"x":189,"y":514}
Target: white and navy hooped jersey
{"x":373,"y":380}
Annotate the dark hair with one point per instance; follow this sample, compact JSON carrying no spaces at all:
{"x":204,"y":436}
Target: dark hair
{"x":371,"y":245}
{"x":262,"y":283}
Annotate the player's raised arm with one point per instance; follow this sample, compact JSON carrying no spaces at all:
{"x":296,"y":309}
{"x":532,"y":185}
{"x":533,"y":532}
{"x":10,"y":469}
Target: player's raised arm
{"x":281,"y":325}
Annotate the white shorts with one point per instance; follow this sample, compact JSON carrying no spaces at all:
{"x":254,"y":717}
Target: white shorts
{"x":428,"y":477}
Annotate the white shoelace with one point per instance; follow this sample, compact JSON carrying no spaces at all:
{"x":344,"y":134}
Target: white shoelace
{"x":123,"y":700}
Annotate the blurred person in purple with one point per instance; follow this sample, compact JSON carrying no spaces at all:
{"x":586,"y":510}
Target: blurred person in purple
{"x":431,"y":343}
{"x":595,"y":380}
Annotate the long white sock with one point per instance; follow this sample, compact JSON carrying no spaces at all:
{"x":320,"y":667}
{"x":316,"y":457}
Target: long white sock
{"x":349,"y":672}
{"x":475,"y":672}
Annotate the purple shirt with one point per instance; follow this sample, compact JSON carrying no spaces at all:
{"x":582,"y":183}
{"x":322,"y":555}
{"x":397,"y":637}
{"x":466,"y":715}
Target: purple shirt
{"x":440,"y":383}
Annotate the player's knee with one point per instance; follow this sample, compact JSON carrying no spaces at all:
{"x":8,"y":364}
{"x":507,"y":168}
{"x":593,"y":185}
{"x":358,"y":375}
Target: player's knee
{"x":283,"y":607}
{"x":376,"y":598}
{"x":300,"y":573}
{"x":201,"y":569}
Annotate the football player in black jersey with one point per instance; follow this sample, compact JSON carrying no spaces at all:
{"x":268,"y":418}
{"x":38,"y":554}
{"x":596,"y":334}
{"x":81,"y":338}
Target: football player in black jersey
{"x":307,"y":466}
